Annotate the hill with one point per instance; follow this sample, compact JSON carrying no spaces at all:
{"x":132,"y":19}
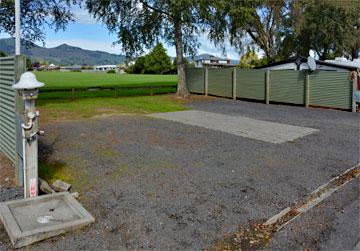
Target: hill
{"x":61,"y":55}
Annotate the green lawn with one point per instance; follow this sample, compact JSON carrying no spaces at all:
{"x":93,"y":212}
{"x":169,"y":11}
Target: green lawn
{"x":85,"y":79}
{"x":60,"y":109}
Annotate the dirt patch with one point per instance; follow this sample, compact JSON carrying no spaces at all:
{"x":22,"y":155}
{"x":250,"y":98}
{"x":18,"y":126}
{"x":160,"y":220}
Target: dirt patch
{"x":256,"y":235}
{"x":7,"y":172}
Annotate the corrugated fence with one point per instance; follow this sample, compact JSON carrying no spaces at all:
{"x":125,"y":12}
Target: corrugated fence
{"x":11,"y":107}
{"x":319,"y":88}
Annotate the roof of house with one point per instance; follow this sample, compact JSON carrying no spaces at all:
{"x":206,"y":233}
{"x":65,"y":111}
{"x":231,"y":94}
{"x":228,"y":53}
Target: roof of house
{"x":211,"y":57}
{"x":71,"y":67}
{"x":300,"y":59}
{"x":219,"y":64}
{"x":105,"y":66}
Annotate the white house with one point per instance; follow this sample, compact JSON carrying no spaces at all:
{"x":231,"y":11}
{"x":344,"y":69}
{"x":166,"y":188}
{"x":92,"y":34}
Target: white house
{"x":211,"y":60}
{"x":105,"y":67}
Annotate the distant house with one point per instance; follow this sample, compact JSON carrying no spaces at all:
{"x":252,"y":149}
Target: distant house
{"x":298,"y":63}
{"x":210,"y":60}
{"x":105,"y":67}
{"x":70,"y":68}
{"x":51,"y":66}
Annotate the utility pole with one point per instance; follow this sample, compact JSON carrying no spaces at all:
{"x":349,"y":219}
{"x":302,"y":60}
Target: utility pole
{"x":17,"y":27}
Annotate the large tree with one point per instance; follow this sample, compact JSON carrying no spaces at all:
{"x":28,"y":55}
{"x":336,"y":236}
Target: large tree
{"x":330,"y":27}
{"x":254,"y":23}
{"x":140,"y":24}
{"x":157,"y":61}
{"x":34,"y":15}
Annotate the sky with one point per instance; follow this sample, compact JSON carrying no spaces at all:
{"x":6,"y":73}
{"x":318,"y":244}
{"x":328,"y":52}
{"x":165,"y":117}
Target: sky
{"x":87,"y":33}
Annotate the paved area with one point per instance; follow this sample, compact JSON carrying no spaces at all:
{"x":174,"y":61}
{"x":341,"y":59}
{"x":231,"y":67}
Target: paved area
{"x":239,"y":125}
{"x":158,"y":184}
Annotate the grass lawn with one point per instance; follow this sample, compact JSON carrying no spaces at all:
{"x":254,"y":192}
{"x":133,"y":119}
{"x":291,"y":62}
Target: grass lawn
{"x":56,"y":79}
{"x":55,"y":110}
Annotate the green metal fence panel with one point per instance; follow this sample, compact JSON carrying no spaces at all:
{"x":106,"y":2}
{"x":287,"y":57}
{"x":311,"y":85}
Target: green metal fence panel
{"x":7,"y":108}
{"x":287,"y":86}
{"x":195,"y":78}
{"x":220,"y":82}
{"x":11,"y":112}
{"x":331,"y":89}
{"x":250,"y":84}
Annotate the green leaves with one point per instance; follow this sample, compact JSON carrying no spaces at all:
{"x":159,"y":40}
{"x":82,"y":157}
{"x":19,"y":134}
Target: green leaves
{"x":34,"y":15}
{"x":156,"y":62}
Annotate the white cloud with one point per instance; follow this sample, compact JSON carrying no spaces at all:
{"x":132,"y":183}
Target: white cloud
{"x":82,"y":16}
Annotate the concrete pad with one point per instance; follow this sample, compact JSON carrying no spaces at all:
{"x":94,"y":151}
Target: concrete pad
{"x":238,"y":125}
{"x":33,"y":219}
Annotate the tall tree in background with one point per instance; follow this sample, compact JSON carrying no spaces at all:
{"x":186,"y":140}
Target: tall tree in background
{"x":258,"y":22}
{"x":330,"y":27}
{"x":157,"y":61}
{"x":34,"y":15}
{"x":140,"y":24}
{"x":251,"y":60}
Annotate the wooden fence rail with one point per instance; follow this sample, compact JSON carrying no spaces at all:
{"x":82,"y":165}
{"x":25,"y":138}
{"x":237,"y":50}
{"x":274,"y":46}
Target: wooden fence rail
{"x":98,"y":91}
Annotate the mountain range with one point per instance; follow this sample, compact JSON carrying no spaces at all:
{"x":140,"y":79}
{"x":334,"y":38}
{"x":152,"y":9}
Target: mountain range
{"x":61,"y":55}
{"x":70,"y":55}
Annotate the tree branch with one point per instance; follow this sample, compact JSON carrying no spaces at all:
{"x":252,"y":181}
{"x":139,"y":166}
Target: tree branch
{"x":154,"y":9}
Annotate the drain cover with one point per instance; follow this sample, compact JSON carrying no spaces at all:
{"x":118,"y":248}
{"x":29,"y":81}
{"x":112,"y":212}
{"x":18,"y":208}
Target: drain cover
{"x":33,"y":219}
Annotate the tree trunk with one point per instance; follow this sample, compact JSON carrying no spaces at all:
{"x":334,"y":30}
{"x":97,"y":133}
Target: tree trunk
{"x":182,"y":90}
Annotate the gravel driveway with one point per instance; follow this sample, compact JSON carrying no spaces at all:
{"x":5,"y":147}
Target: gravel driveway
{"x":158,"y":184}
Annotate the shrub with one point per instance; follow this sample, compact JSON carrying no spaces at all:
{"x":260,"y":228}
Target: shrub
{"x":111,"y":71}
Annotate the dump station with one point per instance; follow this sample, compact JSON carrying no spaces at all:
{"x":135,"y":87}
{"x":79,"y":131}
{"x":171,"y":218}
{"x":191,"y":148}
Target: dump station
{"x":36,"y":218}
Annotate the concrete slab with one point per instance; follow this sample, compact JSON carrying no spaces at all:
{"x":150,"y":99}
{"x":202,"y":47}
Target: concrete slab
{"x":33,"y":219}
{"x":271,"y":132}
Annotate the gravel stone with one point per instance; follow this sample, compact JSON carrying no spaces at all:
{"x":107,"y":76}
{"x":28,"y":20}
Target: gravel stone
{"x":158,"y":184}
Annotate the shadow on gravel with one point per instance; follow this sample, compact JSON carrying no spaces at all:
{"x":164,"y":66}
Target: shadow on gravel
{"x":50,"y":170}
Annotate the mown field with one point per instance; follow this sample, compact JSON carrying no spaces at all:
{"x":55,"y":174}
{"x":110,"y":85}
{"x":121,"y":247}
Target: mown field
{"x":80,"y":95}
{"x":61,"y":80}
{"x":73,"y":85}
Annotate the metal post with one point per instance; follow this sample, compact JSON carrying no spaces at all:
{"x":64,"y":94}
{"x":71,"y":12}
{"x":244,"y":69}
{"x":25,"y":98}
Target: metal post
{"x":20,"y":68}
{"x":30,"y":142}
{"x":307,"y":89}
{"x":17,"y":27}
{"x":206,"y":80}
{"x":28,"y":87}
{"x":267,"y":87}
{"x":353,"y":107}
{"x":234,"y":84}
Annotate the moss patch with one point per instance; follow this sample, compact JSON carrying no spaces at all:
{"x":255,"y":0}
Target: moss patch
{"x":107,"y":153}
{"x":55,"y":171}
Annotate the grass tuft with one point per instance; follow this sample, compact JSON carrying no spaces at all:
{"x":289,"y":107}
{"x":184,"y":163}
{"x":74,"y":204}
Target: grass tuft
{"x":55,"y":110}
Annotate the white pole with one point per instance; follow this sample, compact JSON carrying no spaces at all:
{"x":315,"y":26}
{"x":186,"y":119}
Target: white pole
{"x":17,"y":27}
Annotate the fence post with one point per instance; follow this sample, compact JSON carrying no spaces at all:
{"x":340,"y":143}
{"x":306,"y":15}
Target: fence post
{"x":234,"y":84}
{"x":20,"y":68}
{"x":307,"y":89}
{"x":267,"y":87}
{"x":206,"y":81}
{"x":72,"y":93}
{"x":353,"y":108}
